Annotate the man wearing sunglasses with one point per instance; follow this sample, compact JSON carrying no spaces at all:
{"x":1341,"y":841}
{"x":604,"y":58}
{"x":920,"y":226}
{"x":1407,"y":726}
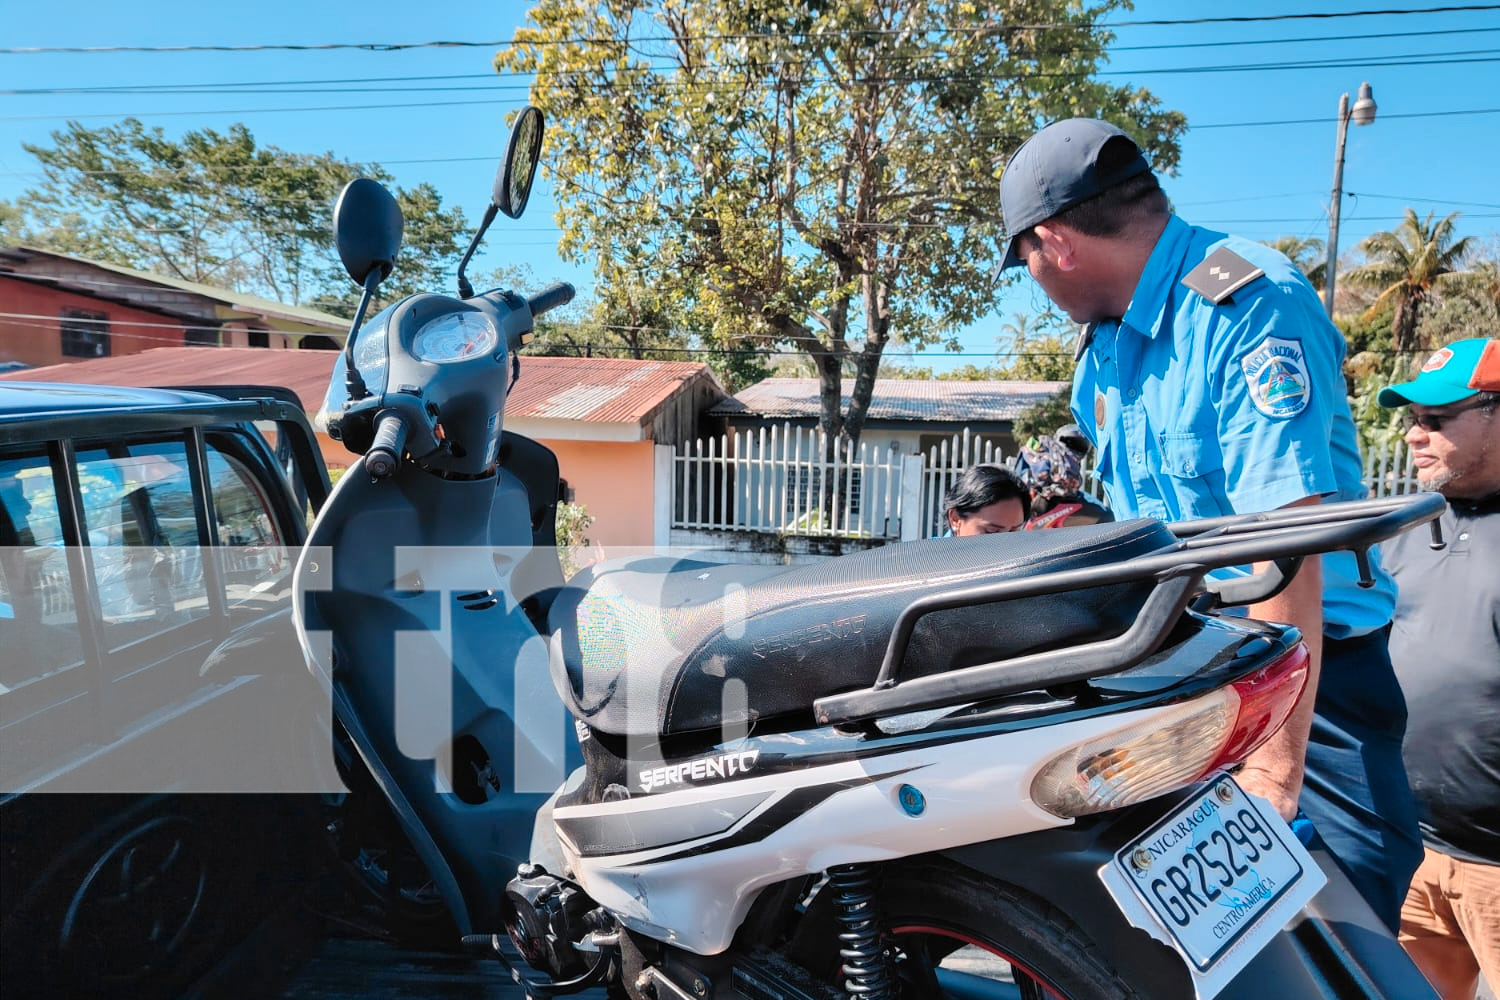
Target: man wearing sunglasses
{"x":1447,"y":655}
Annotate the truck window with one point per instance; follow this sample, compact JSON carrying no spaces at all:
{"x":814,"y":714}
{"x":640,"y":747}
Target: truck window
{"x":143,"y":538}
{"x":257,"y":563}
{"x":38,"y":620}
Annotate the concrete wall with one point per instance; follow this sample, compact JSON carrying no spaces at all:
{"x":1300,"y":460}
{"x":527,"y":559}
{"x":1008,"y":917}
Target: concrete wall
{"x":613,"y":479}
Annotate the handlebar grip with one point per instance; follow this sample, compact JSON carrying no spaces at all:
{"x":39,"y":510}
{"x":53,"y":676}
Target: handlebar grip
{"x":551,"y":297}
{"x":390,"y":442}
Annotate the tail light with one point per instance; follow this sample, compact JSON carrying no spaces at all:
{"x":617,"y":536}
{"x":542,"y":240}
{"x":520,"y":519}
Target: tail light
{"x":1173,"y":748}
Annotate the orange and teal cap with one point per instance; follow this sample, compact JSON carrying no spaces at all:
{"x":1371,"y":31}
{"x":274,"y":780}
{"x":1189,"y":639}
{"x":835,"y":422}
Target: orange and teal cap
{"x":1453,"y":373}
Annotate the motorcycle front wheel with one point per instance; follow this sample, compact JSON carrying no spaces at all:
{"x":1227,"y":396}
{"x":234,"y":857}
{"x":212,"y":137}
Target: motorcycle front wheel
{"x":956,"y":934}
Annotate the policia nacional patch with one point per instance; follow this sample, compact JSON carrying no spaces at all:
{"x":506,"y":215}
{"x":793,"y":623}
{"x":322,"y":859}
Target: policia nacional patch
{"x":1276,"y":376}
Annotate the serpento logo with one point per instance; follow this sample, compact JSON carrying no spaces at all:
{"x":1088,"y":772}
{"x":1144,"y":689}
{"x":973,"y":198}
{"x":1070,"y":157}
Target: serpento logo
{"x":724,"y":765}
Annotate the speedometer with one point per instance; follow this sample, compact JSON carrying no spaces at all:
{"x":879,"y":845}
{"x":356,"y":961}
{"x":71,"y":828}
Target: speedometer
{"x":455,"y":337}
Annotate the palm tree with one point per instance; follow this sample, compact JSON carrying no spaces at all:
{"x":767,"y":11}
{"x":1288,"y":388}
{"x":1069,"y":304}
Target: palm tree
{"x":1405,"y":265}
{"x":1306,"y":253}
{"x":1035,"y":347}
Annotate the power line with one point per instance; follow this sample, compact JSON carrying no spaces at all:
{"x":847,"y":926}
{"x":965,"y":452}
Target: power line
{"x":280,"y":86}
{"x":585,"y":39}
{"x":1397,"y":61}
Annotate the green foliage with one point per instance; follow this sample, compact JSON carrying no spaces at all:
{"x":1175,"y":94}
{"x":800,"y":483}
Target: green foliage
{"x":219,"y":209}
{"x":805,"y":174}
{"x":1469,"y":306}
{"x":1407,"y":265}
{"x":1369,"y":330}
{"x":11,"y":223}
{"x":1368,"y":373}
{"x":1036,"y":348}
{"x":573,"y":521}
{"x":1307,"y":254}
{"x":1045,"y":417}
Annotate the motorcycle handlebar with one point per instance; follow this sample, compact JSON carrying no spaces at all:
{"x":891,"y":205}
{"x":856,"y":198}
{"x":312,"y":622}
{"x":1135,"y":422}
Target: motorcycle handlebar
{"x":390,"y":441}
{"x":551,"y":297}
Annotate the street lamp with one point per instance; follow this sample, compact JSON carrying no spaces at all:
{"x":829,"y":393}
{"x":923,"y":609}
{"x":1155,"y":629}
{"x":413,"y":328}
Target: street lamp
{"x":1363,"y":113}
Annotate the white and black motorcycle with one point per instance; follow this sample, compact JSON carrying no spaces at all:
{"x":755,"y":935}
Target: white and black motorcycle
{"x":987,"y":767}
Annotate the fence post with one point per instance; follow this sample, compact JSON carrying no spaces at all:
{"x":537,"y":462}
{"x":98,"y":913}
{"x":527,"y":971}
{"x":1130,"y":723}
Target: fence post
{"x":912,"y":526}
{"x":661,"y":495}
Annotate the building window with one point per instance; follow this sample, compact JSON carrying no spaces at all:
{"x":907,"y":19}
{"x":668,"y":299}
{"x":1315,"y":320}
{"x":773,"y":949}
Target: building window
{"x":805,"y":488}
{"x":85,"y":334}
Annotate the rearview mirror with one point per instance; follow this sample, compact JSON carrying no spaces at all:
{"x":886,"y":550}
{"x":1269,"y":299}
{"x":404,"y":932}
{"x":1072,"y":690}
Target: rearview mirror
{"x":367,"y":229}
{"x":518,"y":169}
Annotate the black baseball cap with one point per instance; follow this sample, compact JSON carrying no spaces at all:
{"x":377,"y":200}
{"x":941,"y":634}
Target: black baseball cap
{"x":1065,"y":163}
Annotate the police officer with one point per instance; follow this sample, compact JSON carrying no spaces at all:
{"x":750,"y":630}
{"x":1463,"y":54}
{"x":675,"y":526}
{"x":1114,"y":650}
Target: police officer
{"x":1210,"y":383}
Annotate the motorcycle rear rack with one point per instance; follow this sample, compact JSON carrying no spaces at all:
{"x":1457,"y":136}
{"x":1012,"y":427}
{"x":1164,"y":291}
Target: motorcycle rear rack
{"x":1180,"y":573}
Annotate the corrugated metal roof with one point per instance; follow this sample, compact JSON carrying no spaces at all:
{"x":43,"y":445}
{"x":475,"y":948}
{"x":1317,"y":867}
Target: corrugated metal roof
{"x":894,"y":399}
{"x":596,"y":390}
{"x":600,"y":390}
{"x":306,"y":373}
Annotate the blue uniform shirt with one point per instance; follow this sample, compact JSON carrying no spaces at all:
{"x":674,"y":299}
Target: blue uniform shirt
{"x":1199,"y":410}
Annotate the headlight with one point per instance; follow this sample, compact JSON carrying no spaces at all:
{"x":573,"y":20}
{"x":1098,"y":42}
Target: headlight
{"x":370,"y":357}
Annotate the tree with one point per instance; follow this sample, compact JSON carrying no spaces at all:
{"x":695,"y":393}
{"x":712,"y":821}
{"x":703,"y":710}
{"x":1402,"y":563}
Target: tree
{"x":11,"y":222}
{"x":1044,"y":417}
{"x":219,"y":209}
{"x":1468,"y":307}
{"x":806,"y":173}
{"x":1406,"y":265}
{"x":1036,"y":348}
{"x":1306,"y":253}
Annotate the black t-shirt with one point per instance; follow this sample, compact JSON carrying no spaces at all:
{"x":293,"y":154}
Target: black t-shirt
{"x":1445,"y":644}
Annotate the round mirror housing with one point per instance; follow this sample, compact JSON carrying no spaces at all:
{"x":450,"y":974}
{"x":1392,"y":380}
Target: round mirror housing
{"x":367,"y":229}
{"x":518,"y":169}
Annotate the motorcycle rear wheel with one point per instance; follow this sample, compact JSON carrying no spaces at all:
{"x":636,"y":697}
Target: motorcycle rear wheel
{"x":954,"y":933}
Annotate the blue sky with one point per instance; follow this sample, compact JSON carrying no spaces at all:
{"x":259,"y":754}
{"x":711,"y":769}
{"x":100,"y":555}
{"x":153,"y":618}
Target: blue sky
{"x":1435,"y":145}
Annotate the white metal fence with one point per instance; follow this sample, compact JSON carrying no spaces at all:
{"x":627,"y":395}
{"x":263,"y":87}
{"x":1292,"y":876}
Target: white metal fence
{"x":786,"y":480}
{"x":942,"y":464}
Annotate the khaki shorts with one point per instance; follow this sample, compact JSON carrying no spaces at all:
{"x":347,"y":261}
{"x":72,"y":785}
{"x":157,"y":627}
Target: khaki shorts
{"x":1450,"y":924}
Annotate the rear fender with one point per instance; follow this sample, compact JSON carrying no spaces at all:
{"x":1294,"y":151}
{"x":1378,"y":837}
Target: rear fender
{"x":1061,"y":866}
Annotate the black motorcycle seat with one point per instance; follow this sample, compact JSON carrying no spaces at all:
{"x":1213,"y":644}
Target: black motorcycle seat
{"x":659,"y":646}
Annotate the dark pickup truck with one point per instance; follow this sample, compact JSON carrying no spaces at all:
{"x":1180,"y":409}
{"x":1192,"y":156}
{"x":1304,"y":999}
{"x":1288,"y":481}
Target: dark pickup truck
{"x":147,"y":541}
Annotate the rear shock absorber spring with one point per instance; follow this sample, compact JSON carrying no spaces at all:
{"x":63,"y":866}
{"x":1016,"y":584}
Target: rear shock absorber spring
{"x":867,"y":970}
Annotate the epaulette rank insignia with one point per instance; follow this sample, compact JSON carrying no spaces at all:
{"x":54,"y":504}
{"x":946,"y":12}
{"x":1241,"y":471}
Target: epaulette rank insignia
{"x":1222,"y":274}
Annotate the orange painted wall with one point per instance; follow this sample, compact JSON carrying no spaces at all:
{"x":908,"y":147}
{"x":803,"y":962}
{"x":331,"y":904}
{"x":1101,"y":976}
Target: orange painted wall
{"x":613,"y":480}
{"x":38,"y":342}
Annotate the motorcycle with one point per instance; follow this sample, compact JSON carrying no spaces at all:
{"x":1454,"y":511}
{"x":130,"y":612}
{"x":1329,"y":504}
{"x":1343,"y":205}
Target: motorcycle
{"x":979,"y":767}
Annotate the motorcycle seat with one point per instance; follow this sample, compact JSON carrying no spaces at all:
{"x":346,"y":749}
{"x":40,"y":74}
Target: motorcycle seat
{"x":658,"y":645}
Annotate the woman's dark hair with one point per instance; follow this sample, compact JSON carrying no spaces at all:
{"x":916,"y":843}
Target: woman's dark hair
{"x":982,"y":485}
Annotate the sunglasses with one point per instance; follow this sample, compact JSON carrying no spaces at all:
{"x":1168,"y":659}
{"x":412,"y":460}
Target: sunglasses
{"x":1433,"y":422}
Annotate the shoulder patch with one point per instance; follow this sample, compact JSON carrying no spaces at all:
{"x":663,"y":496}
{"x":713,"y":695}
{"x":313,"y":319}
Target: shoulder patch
{"x":1276,"y":377}
{"x":1221,"y":274}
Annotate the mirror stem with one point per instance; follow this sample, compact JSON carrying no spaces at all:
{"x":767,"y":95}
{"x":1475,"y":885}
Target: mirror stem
{"x":353,"y":379}
{"x":466,"y":290}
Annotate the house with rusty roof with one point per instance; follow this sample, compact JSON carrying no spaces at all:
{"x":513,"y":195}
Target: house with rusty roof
{"x":57,"y":308}
{"x":603,"y":417}
{"x":909,"y":416}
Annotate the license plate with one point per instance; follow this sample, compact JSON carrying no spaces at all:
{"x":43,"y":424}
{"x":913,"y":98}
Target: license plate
{"x":1220,"y":876}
